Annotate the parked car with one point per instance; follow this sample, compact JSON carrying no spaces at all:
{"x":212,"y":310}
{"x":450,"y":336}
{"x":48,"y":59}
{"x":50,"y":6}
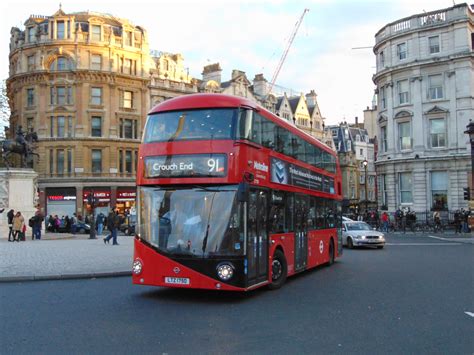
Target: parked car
{"x":346,"y":219}
{"x":82,"y":227}
{"x":127,"y":229}
{"x":356,"y":234}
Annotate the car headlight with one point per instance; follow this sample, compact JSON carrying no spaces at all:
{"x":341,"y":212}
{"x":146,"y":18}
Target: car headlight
{"x":225,"y":271}
{"x":362,"y":237}
{"x":137,"y":267}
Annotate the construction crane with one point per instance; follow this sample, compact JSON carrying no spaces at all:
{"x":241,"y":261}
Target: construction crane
{"x":285,"y":53}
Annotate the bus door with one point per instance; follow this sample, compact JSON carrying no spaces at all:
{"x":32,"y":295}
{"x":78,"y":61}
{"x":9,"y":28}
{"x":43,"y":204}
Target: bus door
{"x":301,"y":232}
{"x":257,"y":237}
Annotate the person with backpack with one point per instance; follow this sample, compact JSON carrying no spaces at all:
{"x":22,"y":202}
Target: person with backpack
{"x":37,"y":225}
{"x":100,"y":223}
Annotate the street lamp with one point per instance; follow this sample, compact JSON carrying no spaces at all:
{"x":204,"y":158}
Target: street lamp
{"x":365,"y":163}
{"x":470,"y":131}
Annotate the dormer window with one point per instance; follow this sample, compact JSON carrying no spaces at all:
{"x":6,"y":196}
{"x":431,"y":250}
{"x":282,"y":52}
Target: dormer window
{"x":60,"y":33}
{"x":96,"y":33}
{"x":61,"y":63}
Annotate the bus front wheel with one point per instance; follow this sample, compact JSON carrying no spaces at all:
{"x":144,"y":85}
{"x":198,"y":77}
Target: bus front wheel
{"x":279,"y":270}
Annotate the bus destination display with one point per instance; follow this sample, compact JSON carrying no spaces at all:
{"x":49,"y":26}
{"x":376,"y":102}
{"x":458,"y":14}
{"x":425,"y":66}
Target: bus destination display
{"x":195,"y":165}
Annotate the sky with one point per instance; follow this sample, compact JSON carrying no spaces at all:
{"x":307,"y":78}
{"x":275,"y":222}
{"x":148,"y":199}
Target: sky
{"x":251,"y":36}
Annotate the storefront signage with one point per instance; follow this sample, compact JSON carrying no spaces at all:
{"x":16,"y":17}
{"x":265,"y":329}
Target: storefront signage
{"x":196,"y":165}
{"x":126,"y":195}
{"x":103,"y":196}
{"x":61,"y":198}
{"x":289,"y":174}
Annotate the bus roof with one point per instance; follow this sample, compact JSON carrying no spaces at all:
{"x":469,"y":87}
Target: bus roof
{"x":197,"y":101}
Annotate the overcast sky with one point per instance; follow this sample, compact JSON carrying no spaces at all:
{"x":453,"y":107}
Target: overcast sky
{"x":252,"y":35}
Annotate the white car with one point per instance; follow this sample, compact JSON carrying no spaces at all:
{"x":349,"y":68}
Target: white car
{"x":358,"y":234}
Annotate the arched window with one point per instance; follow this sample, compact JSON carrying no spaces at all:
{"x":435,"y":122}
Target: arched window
{"x":61,"y":63}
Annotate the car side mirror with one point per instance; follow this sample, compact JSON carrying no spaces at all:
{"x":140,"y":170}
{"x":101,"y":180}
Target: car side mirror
{"x":343,"y":229}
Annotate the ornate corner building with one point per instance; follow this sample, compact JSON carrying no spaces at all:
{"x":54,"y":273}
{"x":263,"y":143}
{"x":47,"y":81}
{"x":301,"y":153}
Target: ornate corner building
{"x":425,"y":86}
{"x":81,"y":80}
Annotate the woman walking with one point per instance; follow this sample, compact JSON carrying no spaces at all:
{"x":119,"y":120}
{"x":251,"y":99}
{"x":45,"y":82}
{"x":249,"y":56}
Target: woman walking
{"x":10,"y":216}
{"x":18,"y":223}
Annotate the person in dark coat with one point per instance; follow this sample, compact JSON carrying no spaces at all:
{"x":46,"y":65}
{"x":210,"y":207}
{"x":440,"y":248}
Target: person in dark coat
{"x":113,"y":222}
{"x":10,"y":216}
{"x":37,"y":224}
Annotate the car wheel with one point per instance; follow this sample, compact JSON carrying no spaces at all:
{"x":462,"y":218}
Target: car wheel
{"x":279,"y":270}
{"x":82,"y":231}
{"x":350,"y":244}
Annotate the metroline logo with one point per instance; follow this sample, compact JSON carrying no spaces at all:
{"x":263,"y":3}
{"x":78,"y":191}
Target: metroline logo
{"x":260,"y":166}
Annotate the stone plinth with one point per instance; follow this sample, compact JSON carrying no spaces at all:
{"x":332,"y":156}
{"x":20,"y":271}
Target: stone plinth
{"x":18,"y":191}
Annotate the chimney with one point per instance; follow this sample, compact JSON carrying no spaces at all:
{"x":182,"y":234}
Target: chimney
{"x":260,"y":85}
{"x":212,"y":72}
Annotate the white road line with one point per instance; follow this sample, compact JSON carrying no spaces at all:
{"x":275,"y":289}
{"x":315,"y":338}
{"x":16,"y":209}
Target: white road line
{"x":423,"y":243}
{"x":470,"y":314}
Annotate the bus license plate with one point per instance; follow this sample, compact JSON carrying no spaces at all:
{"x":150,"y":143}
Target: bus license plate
{"x":177,"y":280}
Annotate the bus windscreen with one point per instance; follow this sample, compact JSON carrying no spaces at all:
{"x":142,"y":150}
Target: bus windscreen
{"x":192,"y":124}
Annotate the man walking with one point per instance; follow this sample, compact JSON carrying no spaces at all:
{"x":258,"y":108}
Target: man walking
{"x":113,"y":221}
{"x":37,"y":224}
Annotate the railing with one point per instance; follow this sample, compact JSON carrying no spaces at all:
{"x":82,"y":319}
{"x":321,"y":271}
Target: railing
{"x":434,"y":18}
{"x":85,"y":175}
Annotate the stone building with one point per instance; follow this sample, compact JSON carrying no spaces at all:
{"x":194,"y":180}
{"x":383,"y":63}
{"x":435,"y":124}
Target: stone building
{"x":81,"y":81}
{"x":425,"y":86}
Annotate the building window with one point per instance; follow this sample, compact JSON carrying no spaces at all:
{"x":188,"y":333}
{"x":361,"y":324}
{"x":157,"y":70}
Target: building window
{"x":434,"y":44}
{"x":406,"y":188}
{"x":439,"y":190}
{"x":96,"y":126}
{"x":404,"y":135}
{"x":382,"y":59}
{"x":31,"y":62}
{"x":127,"y":66}
{"x":61,"y":95}
{"x":61,"y":126}
{"x":61,"y":63}
{"x":96,"y":62}
{"x":31,"y":34}
{"x":120,"y":162}
{"x":60,"y":34}
{"x":96,"y":96}
{"x":70,"y":125}
{"x":436,"y":87}
{"x":29,"y":124}
{"x":96,"y":161}
{"x":383,"y":138}
{"x":128,"y":38}
{"x":96,"y":33}
{"x":60,"y":162}
{"x":402,"y":86}
{"x":128,"y":161}
{"x":402,"y":51}
{"x":51,"y":162}
{"x":382,"y":98}
{"x":69,"y":161}
{"x":128,"y":128}
{"x":127,"y":99}
{"x":30,"y":97}
{"x":438,"y":133}
{"x":383,"y":189}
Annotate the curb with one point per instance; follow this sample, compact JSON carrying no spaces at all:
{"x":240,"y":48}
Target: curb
{"x":64,"y":277}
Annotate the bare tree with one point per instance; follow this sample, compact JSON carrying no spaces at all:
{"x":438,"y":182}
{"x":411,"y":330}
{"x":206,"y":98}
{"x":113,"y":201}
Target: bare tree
{"x":4,"y":108}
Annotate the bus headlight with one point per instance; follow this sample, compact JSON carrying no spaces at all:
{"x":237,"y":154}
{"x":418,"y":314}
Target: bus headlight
{"x":137,"y":267}
{"x":225,"y":271}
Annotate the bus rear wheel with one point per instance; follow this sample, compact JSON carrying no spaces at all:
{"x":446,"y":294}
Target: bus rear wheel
{"x":279,"y":270}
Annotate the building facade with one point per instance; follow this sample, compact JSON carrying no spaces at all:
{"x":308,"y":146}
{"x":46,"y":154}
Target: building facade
{"x":80,"y":81}
{"x":425,"y":86}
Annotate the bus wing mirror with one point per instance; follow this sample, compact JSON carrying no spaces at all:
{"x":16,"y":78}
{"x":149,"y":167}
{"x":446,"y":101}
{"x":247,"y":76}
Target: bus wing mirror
{"x":243,"y":192}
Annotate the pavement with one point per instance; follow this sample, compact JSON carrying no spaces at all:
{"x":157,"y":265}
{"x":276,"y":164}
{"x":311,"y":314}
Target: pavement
{"x":65,"y":256}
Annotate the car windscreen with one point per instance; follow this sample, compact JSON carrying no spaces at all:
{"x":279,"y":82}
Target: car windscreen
{"x":358,"y":226}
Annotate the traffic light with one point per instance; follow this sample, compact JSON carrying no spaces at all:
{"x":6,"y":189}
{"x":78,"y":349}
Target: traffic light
{"x":467,"y":193}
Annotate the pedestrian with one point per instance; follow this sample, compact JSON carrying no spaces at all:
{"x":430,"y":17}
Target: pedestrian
{"x":73,"y":223}
{"x":464,"y":218}
{"x":113,"y":222}
{"x":10,"y":216}
{"x":100,"y":223}
{"x":385,"y":220}
{"x":437,"y":221}
{"x":37,"y":225}
{"x":457,"y":221}
{"x":18,"y":224}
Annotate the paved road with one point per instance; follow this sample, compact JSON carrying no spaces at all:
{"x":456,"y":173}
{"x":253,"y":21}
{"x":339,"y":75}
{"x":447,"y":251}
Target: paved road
{"x":410,"y":297}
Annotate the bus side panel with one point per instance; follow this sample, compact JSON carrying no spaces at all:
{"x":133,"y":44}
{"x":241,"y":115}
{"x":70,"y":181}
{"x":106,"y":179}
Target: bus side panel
{"x":318,"y":245}
{"x":156,"y":267}
{"x":286,"y":242}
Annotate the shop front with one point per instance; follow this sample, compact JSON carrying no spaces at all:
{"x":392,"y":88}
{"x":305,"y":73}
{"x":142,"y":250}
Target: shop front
{"x":126,"y":199}
{"x":60,"y":201}
{"x":102,"y":198}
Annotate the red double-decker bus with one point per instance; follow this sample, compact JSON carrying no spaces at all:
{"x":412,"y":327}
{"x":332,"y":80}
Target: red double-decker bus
{"x":231,"y":197}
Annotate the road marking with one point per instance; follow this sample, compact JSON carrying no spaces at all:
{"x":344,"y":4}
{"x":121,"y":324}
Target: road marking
{"x":423,"y":244}
{"x":470,"y":314}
